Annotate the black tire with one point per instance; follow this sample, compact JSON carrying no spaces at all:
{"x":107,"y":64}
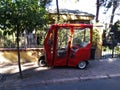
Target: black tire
{"x":42,"y":62}
{"x":82,"y":64}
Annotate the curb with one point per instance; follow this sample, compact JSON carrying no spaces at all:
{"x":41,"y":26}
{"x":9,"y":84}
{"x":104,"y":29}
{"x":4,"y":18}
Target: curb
{"x":66,"y":80}
{"x":47,"y":82}
{"x":94,"y":77}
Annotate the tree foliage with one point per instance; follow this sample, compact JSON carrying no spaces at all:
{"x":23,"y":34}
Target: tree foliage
{"x":27,"y":14}
{"x":45,"y":3}
{"x":16,"y":16}
{"x":114,"y":4}
{"x":116,"y":30}
{"x":114,"y":36}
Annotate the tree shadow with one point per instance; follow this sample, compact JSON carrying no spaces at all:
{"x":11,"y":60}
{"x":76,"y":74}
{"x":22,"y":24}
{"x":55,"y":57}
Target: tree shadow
{"x":32,"y":73}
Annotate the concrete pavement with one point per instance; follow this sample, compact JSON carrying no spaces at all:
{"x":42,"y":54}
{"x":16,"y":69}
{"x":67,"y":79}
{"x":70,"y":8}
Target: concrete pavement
{"x":34,"y":75}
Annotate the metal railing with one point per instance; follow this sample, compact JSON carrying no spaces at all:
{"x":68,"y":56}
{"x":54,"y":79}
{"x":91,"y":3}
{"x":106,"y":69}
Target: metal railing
{"x":111,"y":52}
{"x":26,"y":41}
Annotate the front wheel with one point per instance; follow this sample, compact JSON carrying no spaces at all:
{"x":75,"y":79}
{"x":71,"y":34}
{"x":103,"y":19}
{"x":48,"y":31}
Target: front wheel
{"x":42,"y":62}
{"x":82,"y":64}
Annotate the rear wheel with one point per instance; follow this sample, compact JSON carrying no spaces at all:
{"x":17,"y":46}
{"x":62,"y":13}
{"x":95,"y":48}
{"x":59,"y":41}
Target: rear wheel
{"x":42,"y":62}
{"x":82,"y":64}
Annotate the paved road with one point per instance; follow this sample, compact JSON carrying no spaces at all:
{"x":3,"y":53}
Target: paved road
{"x":100,"y":84}
{"x":34,"y":75}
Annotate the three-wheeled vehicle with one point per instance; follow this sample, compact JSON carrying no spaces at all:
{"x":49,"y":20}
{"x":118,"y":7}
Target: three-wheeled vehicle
{"x":67,"y":45}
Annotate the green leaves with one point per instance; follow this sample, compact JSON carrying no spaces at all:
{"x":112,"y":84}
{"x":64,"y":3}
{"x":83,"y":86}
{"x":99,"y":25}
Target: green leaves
{"x":116,"y":31}
{"x":27,"y":14}
{"x":44,"y":3}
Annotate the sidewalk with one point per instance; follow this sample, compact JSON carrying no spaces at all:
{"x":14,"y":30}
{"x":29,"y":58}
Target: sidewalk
{"x":34,"y":75}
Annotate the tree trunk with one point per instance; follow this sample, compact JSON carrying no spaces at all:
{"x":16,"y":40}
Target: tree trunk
{"x":18,"y":51}
{"x":115,"y":5}
{"x":58,"y":17}
{"x":97,"y":10}
{"x":113,"y":12}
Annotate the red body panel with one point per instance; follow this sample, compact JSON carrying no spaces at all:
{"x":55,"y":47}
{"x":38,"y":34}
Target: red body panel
{"x":70,"y":58}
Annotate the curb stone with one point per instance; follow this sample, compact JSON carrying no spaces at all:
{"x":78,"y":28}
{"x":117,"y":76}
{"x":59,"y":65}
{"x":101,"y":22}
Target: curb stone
{"x":114,"y":75}
{"x":63,"y":80}
{"x":49,"y":81}
{"x":66,"y":80}
{"x":80,"y":78}
{"x":93,"y":77}
{"x":45,"y":82}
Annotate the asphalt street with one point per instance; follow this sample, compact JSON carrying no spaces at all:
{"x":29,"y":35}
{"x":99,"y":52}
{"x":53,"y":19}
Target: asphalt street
{"x":99,"y":84}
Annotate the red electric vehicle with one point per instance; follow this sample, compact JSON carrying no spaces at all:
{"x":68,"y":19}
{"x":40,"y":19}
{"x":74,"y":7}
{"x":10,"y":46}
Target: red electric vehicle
{"x":67,"y":45}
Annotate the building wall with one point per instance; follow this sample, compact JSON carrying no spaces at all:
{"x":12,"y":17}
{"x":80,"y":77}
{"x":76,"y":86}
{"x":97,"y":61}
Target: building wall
{"x":26,"y":55}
